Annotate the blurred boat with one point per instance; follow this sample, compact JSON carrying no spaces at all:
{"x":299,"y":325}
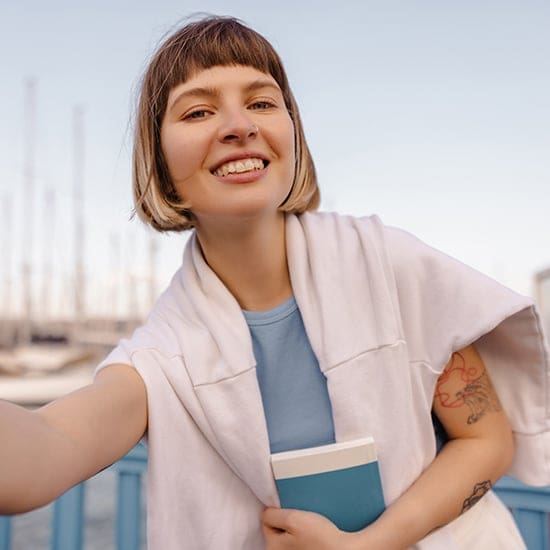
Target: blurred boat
{"x":41,"y":358}
{"x":36,"y":374}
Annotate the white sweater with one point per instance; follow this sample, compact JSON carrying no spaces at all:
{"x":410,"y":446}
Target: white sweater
{"x":384,"y":313}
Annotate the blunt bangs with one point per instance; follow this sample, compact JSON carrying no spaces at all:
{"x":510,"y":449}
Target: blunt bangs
{"x":213,"y":42}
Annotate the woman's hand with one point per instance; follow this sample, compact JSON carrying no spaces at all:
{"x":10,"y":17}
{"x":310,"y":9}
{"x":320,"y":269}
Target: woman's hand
{"x":297,"y":530}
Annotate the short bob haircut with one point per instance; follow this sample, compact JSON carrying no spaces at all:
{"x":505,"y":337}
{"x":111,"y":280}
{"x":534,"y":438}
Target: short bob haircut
{"x":208,"y":42}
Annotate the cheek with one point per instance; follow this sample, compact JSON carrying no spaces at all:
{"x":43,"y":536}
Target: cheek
{"x":169,"y":149}
{"x":287,"y":144}
{"x":182,"y":155}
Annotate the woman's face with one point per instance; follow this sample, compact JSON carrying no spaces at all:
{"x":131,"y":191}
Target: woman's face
{"x":228,"y":142}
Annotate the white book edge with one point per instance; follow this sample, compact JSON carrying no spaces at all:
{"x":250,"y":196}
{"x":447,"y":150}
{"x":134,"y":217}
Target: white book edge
{"x":326,"y":458}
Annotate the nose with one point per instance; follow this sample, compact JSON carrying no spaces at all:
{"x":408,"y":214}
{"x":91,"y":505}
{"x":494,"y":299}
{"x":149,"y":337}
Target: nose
{"x":238,"y":128}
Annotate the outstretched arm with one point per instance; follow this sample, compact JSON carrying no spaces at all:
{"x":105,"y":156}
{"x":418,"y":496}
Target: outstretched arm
{"x":45,"y":452}
{"x":479,"y":451}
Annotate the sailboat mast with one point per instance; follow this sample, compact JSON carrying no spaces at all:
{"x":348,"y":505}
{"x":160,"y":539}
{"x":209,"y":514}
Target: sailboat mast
{"x":28,"y":208}
{"x":47,"y":250}
{"x":78,"y":205}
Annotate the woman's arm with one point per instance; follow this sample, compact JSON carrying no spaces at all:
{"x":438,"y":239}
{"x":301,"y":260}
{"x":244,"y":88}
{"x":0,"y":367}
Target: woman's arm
{"x":45,"y":452}
{"x":479,"y":451}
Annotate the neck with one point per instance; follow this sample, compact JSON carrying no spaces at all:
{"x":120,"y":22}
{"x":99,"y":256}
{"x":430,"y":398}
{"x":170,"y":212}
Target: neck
{"x":250,"y":259}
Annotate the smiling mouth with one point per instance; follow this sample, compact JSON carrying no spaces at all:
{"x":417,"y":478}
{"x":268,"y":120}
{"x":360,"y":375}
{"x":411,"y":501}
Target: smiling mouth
{"x":240,"y":166}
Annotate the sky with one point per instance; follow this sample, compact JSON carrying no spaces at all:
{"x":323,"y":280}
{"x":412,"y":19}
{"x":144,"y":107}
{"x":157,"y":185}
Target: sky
{"x":433,"y":115}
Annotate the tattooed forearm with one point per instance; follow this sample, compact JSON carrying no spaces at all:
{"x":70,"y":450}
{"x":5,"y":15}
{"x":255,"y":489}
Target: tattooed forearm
{"x":477,"y":393}
{"x":479,"y":490}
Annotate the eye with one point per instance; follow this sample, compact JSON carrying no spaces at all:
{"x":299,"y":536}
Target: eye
{"x":262,"y":105}
{"x":196,"y":114}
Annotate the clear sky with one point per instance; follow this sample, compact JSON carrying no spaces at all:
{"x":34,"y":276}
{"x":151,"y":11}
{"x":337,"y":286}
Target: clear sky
{"x":434,"y":115}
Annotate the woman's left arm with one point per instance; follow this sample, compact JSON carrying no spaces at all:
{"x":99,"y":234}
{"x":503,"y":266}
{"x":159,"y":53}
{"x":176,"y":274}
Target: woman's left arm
{"x":479,"y":451}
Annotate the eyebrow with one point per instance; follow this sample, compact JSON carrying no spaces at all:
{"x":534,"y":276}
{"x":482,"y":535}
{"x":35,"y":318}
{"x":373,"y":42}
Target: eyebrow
{"x":208,"y":91}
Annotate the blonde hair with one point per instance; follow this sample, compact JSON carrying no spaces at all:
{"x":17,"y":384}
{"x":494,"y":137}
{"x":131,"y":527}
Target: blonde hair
{"x":199,"y":45}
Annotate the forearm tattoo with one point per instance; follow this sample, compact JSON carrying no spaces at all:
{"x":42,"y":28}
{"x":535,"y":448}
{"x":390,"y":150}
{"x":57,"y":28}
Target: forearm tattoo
{"x":477,"y":392}
{"x":479,"y":490}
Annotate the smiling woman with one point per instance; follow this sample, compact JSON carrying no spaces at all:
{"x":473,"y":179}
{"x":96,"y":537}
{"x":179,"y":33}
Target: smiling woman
{"x":286,"y":329}
{"x":168,"y":82}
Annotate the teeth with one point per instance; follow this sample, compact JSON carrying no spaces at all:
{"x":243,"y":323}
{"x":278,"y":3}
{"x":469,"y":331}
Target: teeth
{"x":239,"y":166}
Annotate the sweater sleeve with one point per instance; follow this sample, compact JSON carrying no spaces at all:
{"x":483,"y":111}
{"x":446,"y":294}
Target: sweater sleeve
{"x":445,"y":306}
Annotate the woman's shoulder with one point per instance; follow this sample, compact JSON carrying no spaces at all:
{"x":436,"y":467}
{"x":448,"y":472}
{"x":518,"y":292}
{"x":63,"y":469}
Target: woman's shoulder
{"x":157,"y":334}
{"x":369,"y":230}
{"x":342,"y":229}
{"x":322,"y":218}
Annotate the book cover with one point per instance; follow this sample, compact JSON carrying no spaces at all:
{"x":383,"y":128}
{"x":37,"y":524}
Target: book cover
{"x":341,"y":481}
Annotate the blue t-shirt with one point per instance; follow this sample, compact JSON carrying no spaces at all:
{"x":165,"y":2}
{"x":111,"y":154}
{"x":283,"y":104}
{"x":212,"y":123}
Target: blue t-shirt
{"x":293,"y":388}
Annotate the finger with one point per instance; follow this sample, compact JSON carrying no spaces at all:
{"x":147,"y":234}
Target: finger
{"x":271,"y":533}
{"x":274,"y":538}
{"x":273,"y":530}
{"x":276,"y":518}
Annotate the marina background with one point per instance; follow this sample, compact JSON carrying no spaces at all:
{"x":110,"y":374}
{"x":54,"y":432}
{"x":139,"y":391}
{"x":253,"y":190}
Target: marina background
{"x":434,"y":115}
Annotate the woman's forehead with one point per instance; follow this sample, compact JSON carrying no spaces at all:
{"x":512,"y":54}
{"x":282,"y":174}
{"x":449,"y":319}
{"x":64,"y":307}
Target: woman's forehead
{"x":215,"y":80}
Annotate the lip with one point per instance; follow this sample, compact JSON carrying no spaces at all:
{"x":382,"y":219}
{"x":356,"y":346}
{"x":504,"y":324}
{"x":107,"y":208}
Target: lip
{"x":239,"y":156}
{"x":243,"y":177}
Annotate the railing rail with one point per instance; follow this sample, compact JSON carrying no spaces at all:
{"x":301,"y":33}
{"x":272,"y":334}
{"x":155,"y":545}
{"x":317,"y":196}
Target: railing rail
{"x":530,"y":507}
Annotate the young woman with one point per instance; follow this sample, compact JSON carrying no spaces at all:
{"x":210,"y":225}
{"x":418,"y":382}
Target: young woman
{"x":286,"y":328}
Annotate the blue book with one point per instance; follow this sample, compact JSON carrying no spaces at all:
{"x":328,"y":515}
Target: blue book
{"x":341,"y":481}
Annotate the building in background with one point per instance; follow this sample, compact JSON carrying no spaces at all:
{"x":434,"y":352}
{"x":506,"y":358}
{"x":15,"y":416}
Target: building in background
{"x":542,"y":290}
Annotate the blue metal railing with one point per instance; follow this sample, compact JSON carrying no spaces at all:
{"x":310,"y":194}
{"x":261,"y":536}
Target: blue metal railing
{"x":530,"y":507}
{"x":67,"y":526}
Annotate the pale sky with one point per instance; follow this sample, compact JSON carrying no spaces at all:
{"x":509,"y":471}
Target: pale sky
{"x":434,"y":115}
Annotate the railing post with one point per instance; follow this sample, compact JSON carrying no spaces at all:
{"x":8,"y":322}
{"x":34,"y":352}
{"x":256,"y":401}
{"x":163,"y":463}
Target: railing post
{"x":128,"y":524}
{"x":128,"y":532}
{"x":5,"y":532}
{"x":533,"y":527}
{"x":68,"y":520}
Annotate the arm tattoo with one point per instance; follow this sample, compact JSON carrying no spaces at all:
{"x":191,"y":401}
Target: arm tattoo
{"x":477,"y":393}
{"x":479,"y":490}
{"x":480,"y":397}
